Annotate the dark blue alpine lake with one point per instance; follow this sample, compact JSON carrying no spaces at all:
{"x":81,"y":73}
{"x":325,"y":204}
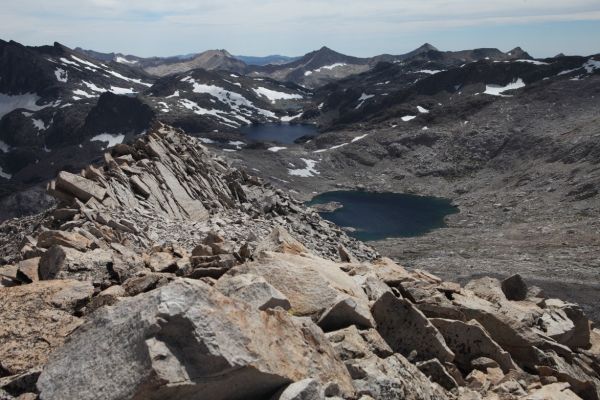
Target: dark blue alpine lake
{"x":279,"y":133}
{"x":376,"y":216}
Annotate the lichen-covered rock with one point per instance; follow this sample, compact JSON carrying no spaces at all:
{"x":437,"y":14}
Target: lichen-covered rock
{"x":469,"y":340}
{"x":36,"y":319}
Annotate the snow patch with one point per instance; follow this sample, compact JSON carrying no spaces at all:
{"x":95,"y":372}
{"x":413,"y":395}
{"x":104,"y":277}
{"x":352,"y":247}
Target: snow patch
{"x":232,"y":99}
{"x":274,"y":95}
{"x":119,"y":90}
{"x":361,"y":100}
{"x":289,"y":118}
{"x":61,"y":75}
{"x":190,"y":105}
{"x":84,"y":62}
{"x":275,"y":149}
{"x":407,"y":118}
{"x":27,"y":101}
{"x":4,"y":174}
{"x":39,"y":124}
{"x":306,"y":172}
{"x":591,"y":65}
{"x":237,"y":144}
{"x":109,"y":138}
{"x":534,"y":62}
{"x":164,"y":107}
{"x":4,"y":147}
{"x":206,"y":140}
{"x":356,"y":139}
{"x":497,"y":90}
{"x":422,"y":110}
{"x":80,"y":93}
{"x":176,"y":94}
{"x":430,"y":71}
{"x":123,"y":60}
{"x":118,"y":75}
{"x":330,"y":67}
{"x":93,"y":87}
{"x":68,"y":62}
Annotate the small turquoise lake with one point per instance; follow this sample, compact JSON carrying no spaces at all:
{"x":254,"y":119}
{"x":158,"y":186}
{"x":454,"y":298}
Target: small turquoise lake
{"x":376,"y":216}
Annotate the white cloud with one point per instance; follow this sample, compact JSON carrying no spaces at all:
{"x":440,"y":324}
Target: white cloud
{"x":158,"y":27}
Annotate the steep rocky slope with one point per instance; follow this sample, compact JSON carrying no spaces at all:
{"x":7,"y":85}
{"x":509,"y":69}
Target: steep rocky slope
{"x":164,"y":273}
{"x":60,"y":109}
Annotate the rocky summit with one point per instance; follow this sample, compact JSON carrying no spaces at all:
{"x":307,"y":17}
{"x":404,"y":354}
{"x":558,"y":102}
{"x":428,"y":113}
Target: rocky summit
{"x":164,"y":273}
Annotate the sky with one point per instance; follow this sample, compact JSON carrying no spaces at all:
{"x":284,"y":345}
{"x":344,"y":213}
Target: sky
{"x":295,"y":27}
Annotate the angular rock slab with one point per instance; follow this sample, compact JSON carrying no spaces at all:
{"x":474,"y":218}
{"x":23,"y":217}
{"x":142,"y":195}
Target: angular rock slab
{"x":311,"y":284}
{"x":345,"y":313}
{"x":254,"y":290}
{"x":405,"y":329}
{"x":35,"y":319}
{"x":80,"y":187}
{"x":469,"y":340}
{"x":188,"y":341}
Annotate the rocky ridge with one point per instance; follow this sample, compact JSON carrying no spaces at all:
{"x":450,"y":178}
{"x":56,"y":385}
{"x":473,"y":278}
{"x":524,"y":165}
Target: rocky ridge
{"x":160,"y":270}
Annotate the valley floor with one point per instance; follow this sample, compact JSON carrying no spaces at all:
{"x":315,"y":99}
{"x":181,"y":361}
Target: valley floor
{"x":532,"y":209}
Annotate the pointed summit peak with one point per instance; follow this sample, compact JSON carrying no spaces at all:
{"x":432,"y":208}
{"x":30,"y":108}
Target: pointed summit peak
{"x":518,"y":52}
{"x":427,"y":47}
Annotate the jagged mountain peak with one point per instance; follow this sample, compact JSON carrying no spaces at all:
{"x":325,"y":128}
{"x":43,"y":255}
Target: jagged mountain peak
{"x":427,"y":47}
{"x":518,"y":52}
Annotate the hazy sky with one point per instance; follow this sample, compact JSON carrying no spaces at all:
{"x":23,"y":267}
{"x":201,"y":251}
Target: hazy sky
{"x":294,"y":27}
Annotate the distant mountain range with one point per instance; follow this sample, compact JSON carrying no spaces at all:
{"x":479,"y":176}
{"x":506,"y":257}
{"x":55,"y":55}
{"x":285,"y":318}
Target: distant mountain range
{"x":59,"y":108}
{"x":312,"y":70}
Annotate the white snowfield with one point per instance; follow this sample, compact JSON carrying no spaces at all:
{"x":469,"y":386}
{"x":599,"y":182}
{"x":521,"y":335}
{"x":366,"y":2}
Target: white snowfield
{"x":497,"y":90}
{"x":422,"y":110}
{"x":407,"y":118}
{"x":110,"y":139}
{"x":274,"y":95}
{"x":27,"y":101}
{"x":190,"y":105}
{"x":234,"y":100}
{"x":305,"y":172}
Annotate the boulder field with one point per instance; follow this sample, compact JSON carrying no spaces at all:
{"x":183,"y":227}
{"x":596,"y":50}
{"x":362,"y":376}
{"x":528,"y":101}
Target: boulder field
{"x":164,"y":273}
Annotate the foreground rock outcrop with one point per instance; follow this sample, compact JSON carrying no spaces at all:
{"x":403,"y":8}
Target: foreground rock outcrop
{"x":166,"y":274}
